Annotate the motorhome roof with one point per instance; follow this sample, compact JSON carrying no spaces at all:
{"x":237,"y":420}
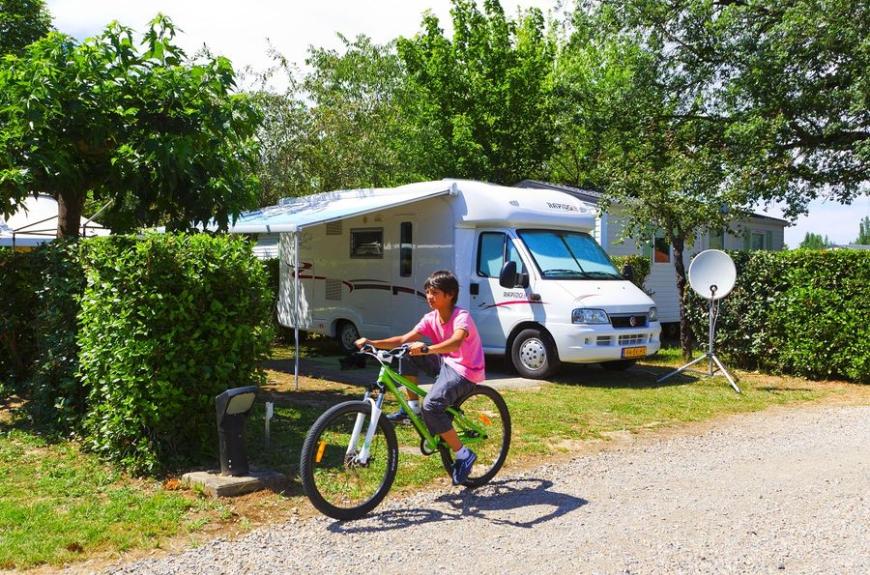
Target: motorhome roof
{"x":476,"y":204}
{"x":484,"y":204}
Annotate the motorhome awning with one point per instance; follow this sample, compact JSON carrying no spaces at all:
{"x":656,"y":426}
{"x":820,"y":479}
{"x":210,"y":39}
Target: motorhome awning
{"x":294,"y":214}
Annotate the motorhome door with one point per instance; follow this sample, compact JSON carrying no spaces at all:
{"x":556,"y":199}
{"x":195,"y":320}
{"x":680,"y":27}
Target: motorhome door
{"x":496,"y":309}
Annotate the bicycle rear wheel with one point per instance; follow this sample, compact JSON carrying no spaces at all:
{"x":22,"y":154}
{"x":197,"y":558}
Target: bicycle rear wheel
{"x":486,"y":410}
{"x":336,"y":482}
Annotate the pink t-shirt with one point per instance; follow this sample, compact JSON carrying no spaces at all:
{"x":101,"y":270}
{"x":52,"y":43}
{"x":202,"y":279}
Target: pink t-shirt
{"x":468,"y":360}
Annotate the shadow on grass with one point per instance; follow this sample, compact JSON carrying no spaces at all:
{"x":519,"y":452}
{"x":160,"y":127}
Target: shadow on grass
{"x":521,"y":502}
{"x":638,"y":376}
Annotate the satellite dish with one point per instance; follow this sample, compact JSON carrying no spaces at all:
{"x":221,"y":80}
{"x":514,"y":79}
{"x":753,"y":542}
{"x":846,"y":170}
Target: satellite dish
{"x":712,"y":274}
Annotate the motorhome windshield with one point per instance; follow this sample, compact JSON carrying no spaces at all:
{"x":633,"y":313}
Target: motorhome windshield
{"x":568,"y":255}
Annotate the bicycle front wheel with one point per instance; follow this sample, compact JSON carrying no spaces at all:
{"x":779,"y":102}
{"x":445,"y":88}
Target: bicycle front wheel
{"x":485,"y":428}
{"x":339,"y":479}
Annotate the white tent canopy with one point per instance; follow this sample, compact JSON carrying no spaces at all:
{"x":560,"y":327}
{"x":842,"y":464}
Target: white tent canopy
{"x":295,"y":214}
{"x":35,"y":223}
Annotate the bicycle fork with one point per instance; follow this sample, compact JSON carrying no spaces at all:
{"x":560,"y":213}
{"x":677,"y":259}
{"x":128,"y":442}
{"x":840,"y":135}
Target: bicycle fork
{"x":362,"y":456}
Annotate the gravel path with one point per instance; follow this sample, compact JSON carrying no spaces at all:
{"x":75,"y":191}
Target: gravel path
{"x":782,"y":491}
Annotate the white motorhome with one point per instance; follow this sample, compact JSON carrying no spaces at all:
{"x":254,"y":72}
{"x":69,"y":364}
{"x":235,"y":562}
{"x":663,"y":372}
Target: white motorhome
{"x":539,"y":287}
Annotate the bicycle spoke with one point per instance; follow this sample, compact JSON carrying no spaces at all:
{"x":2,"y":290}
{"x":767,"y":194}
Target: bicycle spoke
{"x":336,"y":480}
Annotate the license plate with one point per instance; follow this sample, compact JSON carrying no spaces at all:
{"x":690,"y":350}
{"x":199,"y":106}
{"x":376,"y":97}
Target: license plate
{"x":634,"y":352}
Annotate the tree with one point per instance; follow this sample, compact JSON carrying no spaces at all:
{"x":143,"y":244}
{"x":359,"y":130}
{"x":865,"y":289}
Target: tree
{"x":158,"y":137}
{"x":864,"y":232}
{"x":632,"y":127}
{"x":22,"y":22}
{"x":786,"y":79}
{"x":338,"y":126}
{"x":480,"y":102}
{"x":814,"y":242}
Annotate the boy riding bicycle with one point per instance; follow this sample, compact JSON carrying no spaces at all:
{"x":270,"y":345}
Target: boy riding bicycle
{"x":455,"y":359}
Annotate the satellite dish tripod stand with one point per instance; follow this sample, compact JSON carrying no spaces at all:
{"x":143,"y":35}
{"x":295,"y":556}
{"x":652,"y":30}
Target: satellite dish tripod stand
{"x":711,"y":354}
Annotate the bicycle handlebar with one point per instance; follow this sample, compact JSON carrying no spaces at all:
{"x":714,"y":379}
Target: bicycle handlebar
{"x":384,"y":355}
{"x":387,"y":355}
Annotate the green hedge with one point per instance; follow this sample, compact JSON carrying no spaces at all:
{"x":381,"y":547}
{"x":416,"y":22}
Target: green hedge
{"x":19,"y":280}
{"x":167,"y":323}
{"x":640,"y":266}
{"x":56,"y":396}
{"x":802,"y":312}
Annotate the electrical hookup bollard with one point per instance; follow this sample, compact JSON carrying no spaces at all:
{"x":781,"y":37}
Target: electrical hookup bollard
{"x":233,"y":407}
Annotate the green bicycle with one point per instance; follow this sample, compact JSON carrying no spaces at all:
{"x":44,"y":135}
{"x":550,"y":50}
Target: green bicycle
{"x":350,"y":455}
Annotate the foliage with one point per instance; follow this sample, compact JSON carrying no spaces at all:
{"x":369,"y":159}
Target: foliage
{"x":19,"y":280}
{"x":864,"y":232}
{"x":22,"y":22}
{"x":813,"y":241}
{"x":640,"y":266}
{"x":785,"y":80}
{"x":636,"y":130}
{"x":799,"y":312}
{"x":161,"y":137}
{"x":167,"y":323}
{"x":480,"y":103}
{"x":57,"y":399}
{"x":338,"y":126}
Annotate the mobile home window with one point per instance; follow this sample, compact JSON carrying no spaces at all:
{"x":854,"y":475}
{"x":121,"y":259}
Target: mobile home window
{"x":661,"y":250}
{"x":717,"y":240}
{"x":367,"y":243}
{"x":405,"y":249}
{"x":757,"y":241}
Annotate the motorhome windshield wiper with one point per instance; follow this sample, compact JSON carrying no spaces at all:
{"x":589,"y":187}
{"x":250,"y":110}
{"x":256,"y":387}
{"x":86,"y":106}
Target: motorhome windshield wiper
{"x":602,"y":275}
{"x":563,"y":272}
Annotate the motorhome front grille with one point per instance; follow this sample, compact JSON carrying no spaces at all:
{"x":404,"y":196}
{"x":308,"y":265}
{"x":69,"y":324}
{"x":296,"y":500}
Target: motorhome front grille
{"x":628,"y":320}
{"x":333,"y":228}
{"x":632,"y":339}
{"x":333,"y":290}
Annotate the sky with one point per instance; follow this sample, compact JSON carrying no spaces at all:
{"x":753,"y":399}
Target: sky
{"x":244,"y":31}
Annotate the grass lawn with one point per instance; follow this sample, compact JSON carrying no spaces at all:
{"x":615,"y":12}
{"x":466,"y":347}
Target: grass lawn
{"x":59,"y":505}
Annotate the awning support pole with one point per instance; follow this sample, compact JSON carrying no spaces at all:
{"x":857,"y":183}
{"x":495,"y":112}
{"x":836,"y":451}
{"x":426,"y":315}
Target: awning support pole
{"x":296,"y":302}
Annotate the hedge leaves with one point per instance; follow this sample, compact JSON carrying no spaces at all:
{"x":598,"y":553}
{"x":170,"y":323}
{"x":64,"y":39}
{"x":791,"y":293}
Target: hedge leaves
{"x":167,"y":322}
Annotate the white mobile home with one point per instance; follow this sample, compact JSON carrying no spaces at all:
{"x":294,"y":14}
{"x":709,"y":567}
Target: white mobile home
{"x":757,"y":233}
{"x":538,"y":286}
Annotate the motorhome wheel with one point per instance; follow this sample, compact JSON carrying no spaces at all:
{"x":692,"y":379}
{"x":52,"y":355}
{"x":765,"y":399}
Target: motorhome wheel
{"x":347,"y":334}
{"x":534,"y":354}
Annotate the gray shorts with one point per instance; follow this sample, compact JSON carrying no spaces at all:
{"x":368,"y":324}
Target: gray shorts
{"x":448,"y":388}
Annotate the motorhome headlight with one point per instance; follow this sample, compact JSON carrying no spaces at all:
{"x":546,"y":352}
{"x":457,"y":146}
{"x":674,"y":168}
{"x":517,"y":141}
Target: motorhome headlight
{"x":653,"y":314}
{"x":589,"y":315}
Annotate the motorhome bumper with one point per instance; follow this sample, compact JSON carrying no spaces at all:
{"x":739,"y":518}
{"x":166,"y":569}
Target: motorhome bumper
{"x":590,"y":345}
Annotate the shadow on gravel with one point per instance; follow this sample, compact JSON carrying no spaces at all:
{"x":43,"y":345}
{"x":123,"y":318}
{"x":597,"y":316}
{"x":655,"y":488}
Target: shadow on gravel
{"x":529,"y":500}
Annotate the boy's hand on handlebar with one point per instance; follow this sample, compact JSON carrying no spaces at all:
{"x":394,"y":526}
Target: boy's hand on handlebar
{"x":361,"y":342}
{"x":417,"y":348}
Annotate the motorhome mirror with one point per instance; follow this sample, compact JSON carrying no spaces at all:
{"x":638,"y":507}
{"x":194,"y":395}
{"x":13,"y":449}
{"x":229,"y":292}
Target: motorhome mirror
{"x":508,"y":276}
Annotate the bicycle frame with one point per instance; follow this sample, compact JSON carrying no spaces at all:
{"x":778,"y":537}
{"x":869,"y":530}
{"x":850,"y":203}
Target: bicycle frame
{"x":390,"y":380}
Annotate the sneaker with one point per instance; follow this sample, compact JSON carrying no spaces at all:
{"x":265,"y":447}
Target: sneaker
{"x":399,"y":416}
{"x":462,"y":468}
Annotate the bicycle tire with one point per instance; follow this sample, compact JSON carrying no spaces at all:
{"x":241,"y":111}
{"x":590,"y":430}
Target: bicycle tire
{"x":484,"y":405}
{"x":336,"y":487}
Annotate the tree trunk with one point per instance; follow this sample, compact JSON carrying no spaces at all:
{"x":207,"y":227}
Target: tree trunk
{"x":69,"y":214}
{"x":685,"y":330}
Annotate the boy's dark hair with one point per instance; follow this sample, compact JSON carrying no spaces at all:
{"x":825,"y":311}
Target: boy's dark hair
{"x":445,"y":281}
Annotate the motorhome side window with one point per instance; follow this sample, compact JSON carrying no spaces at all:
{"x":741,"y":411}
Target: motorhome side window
{"x":406,"y":246}
{"x":367,"y":243}
{"x":493,"y":250}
